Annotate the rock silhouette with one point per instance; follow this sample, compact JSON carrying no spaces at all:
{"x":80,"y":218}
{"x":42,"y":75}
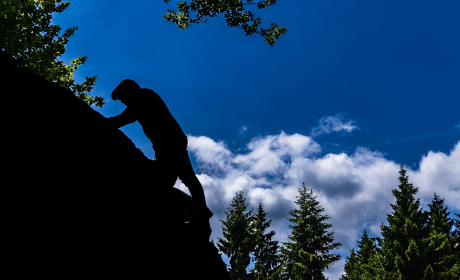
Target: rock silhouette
{"x":79,"y":197}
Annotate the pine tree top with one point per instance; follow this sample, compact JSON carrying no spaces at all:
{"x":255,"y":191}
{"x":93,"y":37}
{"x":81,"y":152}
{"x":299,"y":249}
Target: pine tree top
{"x":403,"y":237}
{"x":309,"y":211}
{"x":308,"y":251}
{"x":439,"y":216}
{"x":367,"y":248}
{"x":406,"y":205}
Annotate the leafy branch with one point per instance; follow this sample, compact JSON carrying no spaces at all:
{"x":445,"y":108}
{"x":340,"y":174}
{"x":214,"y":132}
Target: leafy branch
{"x":29,"y":36}
{"x":235,"y":14}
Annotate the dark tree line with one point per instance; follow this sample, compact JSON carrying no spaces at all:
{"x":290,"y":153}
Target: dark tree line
{"x":306,"y":255}
{"x":415,"y":244}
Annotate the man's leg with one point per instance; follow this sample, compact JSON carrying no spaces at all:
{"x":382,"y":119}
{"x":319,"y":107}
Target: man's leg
{"x":188,"y":177}
{"x":202,"y":213}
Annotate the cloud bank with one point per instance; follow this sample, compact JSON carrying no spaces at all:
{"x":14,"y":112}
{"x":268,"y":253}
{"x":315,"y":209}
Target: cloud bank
{"x":355,"y":189}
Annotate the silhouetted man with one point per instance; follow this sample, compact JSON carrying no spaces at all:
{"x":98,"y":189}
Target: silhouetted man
{"x":168,"y":140}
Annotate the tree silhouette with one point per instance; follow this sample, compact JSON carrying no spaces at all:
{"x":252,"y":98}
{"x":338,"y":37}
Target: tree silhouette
{"x":266,"y":257}
{"x":238,"y":241}
{"x":28,"y":35}
{"x":416,"y":244}
{"x":359,"y":265}
{"x":351,"y":267}
{"x":454,"y":272}
{"x":439,"y":250}
{"x":402,"y":237}
{"x":307,"y":255}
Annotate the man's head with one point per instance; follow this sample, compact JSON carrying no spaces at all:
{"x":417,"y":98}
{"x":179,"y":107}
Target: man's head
{"x":125,"y":91}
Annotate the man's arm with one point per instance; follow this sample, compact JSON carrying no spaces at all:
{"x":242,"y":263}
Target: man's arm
{"x":126,"y":117}
{"x":200,"y":202}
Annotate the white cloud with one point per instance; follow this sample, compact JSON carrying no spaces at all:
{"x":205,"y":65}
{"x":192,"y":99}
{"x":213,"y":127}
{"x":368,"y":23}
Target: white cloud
{"x":335,"y":271}
{"x":211,"y":156}
{"x":439,"y":173}
{"x":330,"y":124}
{"x":355,"y":189}
{"x":268,"y":154}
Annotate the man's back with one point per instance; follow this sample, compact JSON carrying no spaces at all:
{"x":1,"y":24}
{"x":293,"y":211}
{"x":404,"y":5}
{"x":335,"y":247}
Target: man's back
{"x":158,"y":124}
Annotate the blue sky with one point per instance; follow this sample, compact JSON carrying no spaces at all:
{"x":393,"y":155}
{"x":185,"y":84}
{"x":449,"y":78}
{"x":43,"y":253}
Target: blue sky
{"x":352,"y":90}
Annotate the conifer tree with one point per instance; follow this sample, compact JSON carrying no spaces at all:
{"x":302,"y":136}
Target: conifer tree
{"x":266,"y":257}
{"x":439,"y":255}
{"x":359,"y":264}
{"x":367,"y":249}
{"x":307,"y":255}
{"x":439,"y":220}
{"x":403,"y":237}
{"x":238,"y":241}
{"x":375,"y":269}
{"x":416,"y":244}
{"x":351,"y":267}
{"x":454,"y":272}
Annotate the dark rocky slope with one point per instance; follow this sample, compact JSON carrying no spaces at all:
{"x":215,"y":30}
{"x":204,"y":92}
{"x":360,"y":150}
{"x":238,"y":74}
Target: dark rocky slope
{"x":80,"y":199}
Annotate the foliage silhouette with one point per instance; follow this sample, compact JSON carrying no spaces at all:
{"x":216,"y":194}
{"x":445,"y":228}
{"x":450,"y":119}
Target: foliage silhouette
{"x":28,"y":35}
{"x":235,"y":14}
